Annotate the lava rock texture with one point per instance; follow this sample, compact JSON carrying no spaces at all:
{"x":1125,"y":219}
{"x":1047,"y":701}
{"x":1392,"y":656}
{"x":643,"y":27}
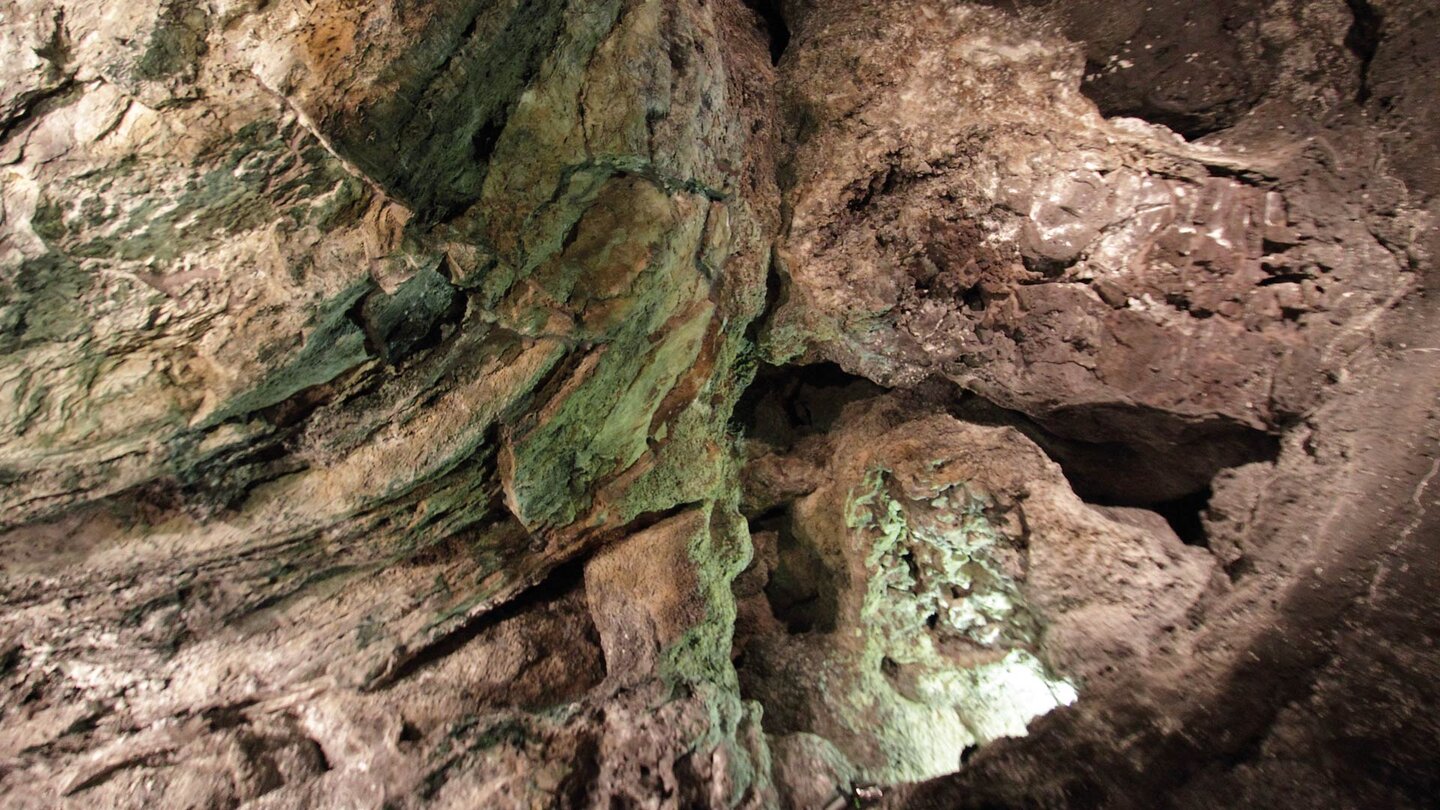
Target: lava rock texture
{"x":719,"y":403}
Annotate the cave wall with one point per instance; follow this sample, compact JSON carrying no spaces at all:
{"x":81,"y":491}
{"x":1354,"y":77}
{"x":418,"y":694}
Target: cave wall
{"x":708,"y":403}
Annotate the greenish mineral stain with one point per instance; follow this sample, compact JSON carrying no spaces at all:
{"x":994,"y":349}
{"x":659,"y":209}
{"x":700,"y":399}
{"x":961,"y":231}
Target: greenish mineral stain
{"x":430,"y":141}
{"x":177,"y":42}
{"x":42,"y":302}
{"x":398,"y":324}
{"x":700,"y":661}
{"x":947,"y":707}
{"x":335,"y":346}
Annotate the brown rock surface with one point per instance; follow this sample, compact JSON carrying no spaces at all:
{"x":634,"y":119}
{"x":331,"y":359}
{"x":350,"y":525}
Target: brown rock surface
{"x":321,"y":359}
{"x":718,"y":403}
{"x":959,"y":208}
{"x":929,"y":547}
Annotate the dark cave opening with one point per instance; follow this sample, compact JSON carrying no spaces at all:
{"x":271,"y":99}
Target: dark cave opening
{"x":802,"y":591}
{"x":1186,"y":516}
{"x":1131,"y":458}
{"x":772,"y":15}
{"x":1363,"y":40}
{"x":784,"y":405}
{"x":787,"y":403}
{"x":1145,"y":62}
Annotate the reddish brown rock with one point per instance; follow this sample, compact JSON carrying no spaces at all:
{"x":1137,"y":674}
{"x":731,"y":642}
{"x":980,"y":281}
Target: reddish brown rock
{"x":959,"y":208}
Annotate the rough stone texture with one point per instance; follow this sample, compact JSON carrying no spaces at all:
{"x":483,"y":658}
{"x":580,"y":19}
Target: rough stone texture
{"x":959,"y":208}
{"x":718,"y":403}
{"x":931,"y":576}
{"x":317,"y":360}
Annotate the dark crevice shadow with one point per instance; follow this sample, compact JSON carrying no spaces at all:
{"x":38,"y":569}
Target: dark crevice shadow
{"x":787,"y":403}
{"x":1363,"y":40}
{"x":773,"y":16}
{"x":554,"y":587}
{"x":1185,"y":514}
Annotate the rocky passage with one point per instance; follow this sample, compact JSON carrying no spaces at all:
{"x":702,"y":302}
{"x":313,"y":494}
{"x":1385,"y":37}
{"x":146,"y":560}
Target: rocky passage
{"x":715,"y":403}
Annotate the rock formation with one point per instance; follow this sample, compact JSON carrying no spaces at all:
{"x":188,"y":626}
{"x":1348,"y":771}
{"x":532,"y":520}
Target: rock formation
{"x":718,"y":403}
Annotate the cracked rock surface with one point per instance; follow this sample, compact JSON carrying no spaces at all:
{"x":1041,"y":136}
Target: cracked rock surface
{"x":718,"y":403}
